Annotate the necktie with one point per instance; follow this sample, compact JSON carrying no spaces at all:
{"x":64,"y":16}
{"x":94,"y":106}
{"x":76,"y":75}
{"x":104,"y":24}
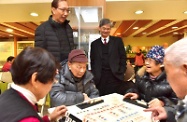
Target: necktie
{"x":105,"y":41}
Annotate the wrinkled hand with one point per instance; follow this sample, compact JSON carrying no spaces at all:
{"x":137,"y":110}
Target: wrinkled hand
{"x":86,"y":98}
{"x":132,"y":96}
{"x":155,"y":103}
{"x":58,"y":113}
{"x":158,"y":113}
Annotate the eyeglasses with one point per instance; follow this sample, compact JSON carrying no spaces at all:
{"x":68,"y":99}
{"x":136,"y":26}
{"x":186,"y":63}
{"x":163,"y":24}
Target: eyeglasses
{"x":63,"y":10}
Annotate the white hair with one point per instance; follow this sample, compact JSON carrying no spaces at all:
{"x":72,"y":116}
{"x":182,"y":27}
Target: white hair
{"x":176,"y":53}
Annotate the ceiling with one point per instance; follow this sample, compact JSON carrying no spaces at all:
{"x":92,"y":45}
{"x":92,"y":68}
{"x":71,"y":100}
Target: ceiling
{"x":157,"y":20}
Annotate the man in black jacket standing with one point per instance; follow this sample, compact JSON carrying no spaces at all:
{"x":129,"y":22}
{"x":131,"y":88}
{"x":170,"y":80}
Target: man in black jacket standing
{"x":56,"y":35}
{"x":108,"y":60}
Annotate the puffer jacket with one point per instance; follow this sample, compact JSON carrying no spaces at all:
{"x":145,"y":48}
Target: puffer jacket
{"x":65,"y":91}
{"x":148,"y":89}
{"x":47,"y":36}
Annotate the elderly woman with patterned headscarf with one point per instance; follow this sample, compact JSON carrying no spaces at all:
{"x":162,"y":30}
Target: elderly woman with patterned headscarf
{"x":151,"y":84}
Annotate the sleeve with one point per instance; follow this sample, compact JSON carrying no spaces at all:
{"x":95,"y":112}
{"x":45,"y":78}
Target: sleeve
{"x":40,"y":37}
{"x":171,"y":111}
{"x":123,"y":57}
{"x":94,"y":91}
{"x":33,"y":119}
{"x":61,"y":96}
{"x":92,"y":57}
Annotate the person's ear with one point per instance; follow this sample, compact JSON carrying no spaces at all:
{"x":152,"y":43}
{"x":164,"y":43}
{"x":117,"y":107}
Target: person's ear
{"x":53,"y":10}
{"x":185,"y":68}
{"x":69,"y":65}
{"x":34,"y":79}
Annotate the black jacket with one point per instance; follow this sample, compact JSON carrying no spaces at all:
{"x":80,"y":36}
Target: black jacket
{"x":148,"y":89}
{"x":48,"y":37}
{"x":65,"y":91}
{"x":117,"y":58}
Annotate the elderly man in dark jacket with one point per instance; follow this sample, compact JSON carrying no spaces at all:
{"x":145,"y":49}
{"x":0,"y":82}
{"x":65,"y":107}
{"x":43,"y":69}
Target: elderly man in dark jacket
{"x":76,"y":82}
{"x":151,"y":85}
{"x":56,"y":35}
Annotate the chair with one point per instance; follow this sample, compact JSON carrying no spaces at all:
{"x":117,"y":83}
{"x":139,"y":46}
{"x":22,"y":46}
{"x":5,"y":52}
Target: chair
{"x":129,"y":74}
{"x":3,"y":86}
{"x":41,"y":103}
{"x":44,"y":102}
{"x":6,"y":77}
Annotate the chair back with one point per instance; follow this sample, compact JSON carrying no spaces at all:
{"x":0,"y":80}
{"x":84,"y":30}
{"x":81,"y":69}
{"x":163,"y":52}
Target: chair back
{"x":6,"y":77}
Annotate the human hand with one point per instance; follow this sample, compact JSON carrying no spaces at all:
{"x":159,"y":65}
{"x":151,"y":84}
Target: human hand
{"x":59,"y":112}
{"x":132,"y":96}
{"x":86,"y":98}
{"x":158,"y":113}
{"x":155,"y":103}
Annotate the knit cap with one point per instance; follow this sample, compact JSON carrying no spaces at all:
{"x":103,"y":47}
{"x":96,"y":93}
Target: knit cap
{"x":156,"y":53}
{"x":77,"y":55}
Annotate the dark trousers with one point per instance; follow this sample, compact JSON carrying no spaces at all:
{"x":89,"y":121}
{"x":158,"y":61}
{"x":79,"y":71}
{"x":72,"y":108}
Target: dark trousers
{"x":136,"y":68}
{"x":110,"y":84}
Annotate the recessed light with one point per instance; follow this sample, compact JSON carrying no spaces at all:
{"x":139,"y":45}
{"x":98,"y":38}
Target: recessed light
{"x":185,"y":12}
{"x":135,"y":28}
{"x":139,"y":12}
{"x":9,"y":30}
{"x":175,"y":33}
{"x":144,"y":33}
{"x":34,"y":14}
{"x":174,"y":27}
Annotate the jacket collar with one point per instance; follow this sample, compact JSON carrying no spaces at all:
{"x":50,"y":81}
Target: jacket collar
{"x":158,"y":78}
{"x":56,"y":24}
{"x":68,"y":75}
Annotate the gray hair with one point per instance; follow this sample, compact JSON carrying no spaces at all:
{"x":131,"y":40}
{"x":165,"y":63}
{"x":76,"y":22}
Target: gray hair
{"x":105,"y":21}
{"x":176,"y":54}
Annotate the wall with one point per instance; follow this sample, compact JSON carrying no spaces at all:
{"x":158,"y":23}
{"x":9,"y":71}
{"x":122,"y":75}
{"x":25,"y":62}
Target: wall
{"x":148,"y":41}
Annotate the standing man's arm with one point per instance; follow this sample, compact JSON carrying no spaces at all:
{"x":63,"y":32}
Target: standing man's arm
{"x":40,"y":38}
{"x":92,"y":57}
{"x":123,"y":57}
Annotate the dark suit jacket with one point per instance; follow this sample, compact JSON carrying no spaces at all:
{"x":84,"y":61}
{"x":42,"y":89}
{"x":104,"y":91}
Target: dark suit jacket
{"x":117,"y":58}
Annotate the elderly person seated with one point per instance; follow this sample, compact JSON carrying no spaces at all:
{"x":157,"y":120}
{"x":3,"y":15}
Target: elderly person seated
{"x":75,"y":83}
{"x":152,"y":85}
{"x":33,"y":72}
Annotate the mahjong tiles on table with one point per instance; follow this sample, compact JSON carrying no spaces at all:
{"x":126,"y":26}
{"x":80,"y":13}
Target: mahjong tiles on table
{"x":108,"y":108}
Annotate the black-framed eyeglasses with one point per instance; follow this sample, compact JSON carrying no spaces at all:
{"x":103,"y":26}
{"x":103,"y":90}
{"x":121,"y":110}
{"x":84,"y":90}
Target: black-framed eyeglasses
{"x":64,"y":10}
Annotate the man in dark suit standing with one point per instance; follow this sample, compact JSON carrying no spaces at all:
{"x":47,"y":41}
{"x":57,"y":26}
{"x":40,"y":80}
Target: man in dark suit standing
{"x":108,"y":60}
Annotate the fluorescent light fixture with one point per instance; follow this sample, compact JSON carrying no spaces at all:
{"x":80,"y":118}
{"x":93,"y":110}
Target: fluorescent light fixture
{"x":174,"y":27}
{"x":34,"y":14}
{"x":9,"y":30}
{"x":135,"y":28}
{"x":88,"y":14}
{"x":139,"y":12}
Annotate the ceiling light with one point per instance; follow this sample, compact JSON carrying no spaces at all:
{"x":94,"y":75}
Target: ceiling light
{"x":135,"y":28}
{"x":139,"y":12}
{"x":174,"y":27}
{"x":9,"y":30}
{"x":10,"y":35}
{"x":34,"y":14}
{"x":144,"y":33}
{"x":175,"y":33}
{"x":185,"y":12}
